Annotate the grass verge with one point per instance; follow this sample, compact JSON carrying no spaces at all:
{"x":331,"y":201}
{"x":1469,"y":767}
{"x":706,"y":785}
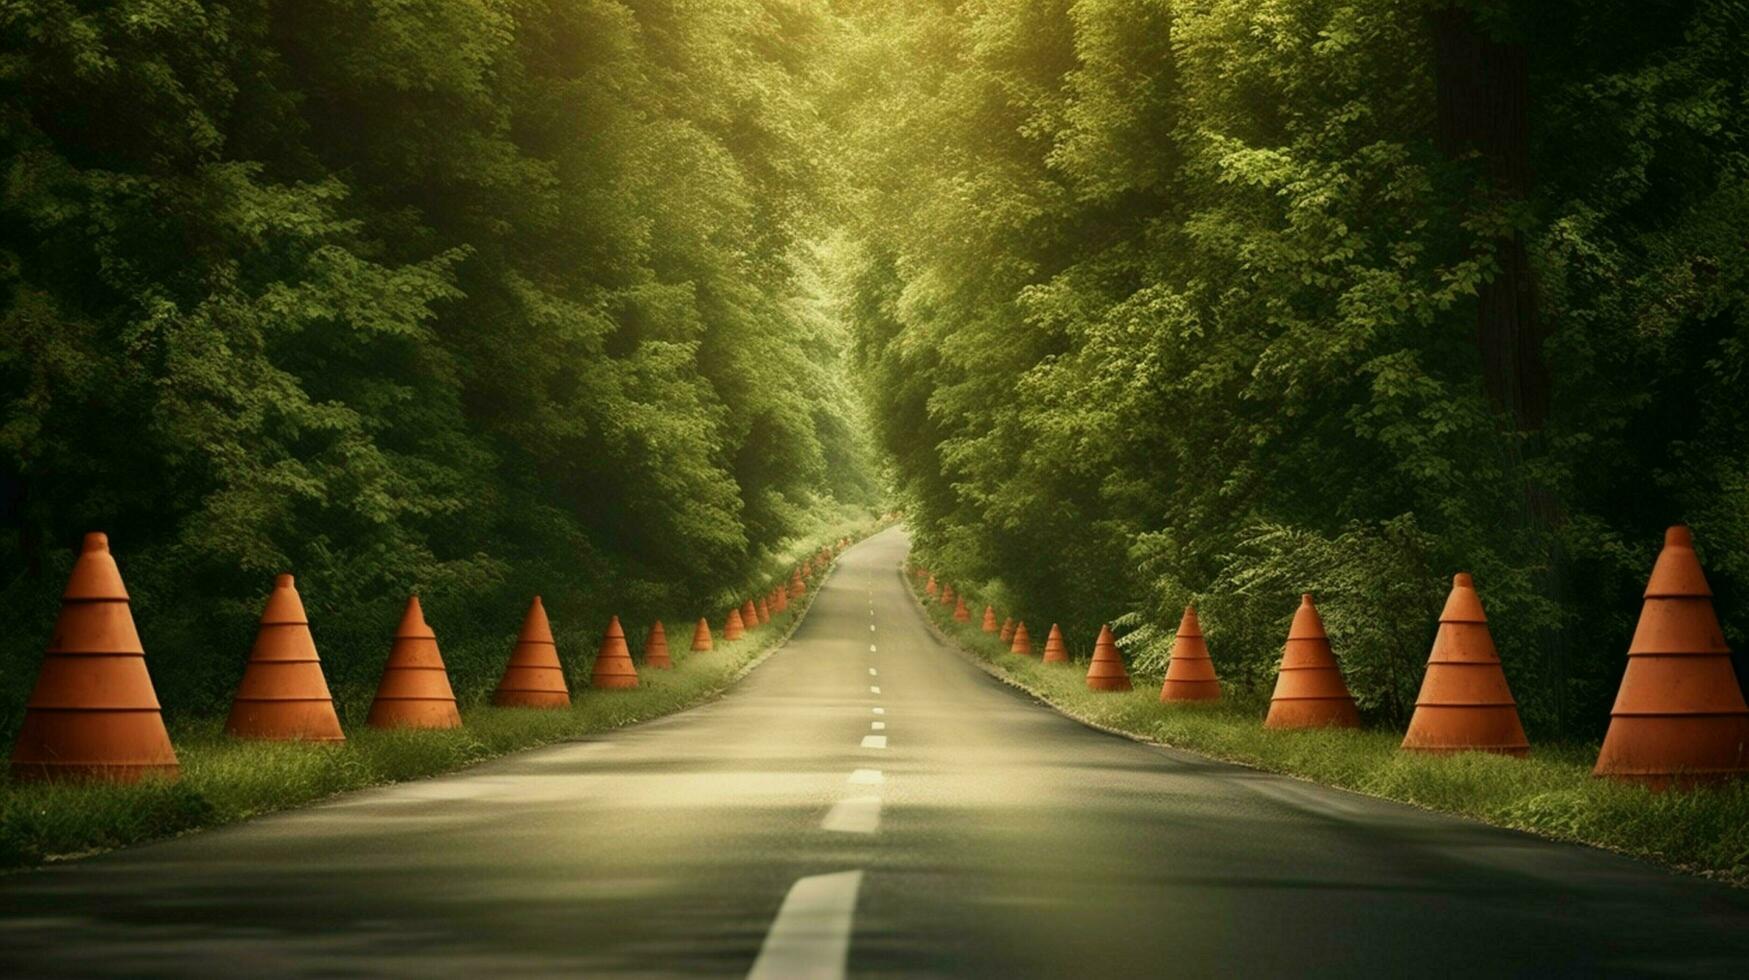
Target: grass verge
{"x":1552,"y":794}
{"x":226,"y":779}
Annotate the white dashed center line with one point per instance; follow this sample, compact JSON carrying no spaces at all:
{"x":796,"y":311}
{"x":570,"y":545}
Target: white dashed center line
{"x":874,"y":741}
{"x":873,"y":673}
{"x":868,"y":777}
{"x":811,"y":935}
{"x":873,"y":689}
{"x":879,"y":726}
{"x":880,"y":711}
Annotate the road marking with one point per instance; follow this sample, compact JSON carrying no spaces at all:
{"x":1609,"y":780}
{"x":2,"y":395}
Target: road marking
{"x":880,"y":711}
{"x":871,"y":627}
{"x":874,"y":741}
{"x":868,"y":777}
{"x":857,"y":815}
{"x":811,"y":935}
{"x":871,"y":648}
{"x":879,"y":726}
{"x":872,"y":689}
{"x":873,"y":673}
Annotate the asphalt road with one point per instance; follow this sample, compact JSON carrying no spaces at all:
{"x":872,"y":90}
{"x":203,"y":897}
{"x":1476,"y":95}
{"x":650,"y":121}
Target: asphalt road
{"x":866,"y":800}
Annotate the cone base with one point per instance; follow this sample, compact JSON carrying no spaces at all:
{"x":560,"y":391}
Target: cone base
{"x":414,"y":714}
{"x":1466,"y":728}
{"x":531,"y":699}
{"x":614,"y":682}
{"x":1675,"y":750}
{"x":1109,"y":684}
{"x":1312,"y":714}
{"x":284,"y":721}
{"x":1056,"y":658}
{"x":1190,"y":691}
{"x":91,"y":743}
{"x":663,"y":663}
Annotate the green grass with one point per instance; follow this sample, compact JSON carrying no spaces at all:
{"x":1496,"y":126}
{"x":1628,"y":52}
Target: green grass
{"x":1553,"y":794}
{"x":226,"y":779}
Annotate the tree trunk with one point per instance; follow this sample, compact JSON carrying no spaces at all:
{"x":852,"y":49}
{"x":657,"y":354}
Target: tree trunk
{"x":1483,"y":92}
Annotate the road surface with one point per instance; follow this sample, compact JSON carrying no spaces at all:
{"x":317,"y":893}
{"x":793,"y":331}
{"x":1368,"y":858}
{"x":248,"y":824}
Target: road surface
{"x":868,"y":801}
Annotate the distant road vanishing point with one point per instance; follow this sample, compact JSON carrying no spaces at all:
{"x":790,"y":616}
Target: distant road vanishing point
{"x":867,"y":802}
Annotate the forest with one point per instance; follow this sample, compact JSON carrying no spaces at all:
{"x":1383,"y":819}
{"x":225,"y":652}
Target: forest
{"x":474,"y":299}
{"x":1228,"y":300}
{"x":1124,"y":303}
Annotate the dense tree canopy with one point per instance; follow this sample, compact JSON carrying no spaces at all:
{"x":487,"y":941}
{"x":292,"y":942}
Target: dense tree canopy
{"x":1227,"y":300}
{"x":478,"y":299}
{"x":1147,"y":302}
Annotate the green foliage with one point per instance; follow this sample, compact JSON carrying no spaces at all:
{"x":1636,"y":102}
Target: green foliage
{"x":472,"y":299}
{"x":1171,"y":302}
{"x":1147,"y":302}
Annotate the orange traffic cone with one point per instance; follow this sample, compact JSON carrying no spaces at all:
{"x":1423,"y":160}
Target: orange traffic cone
{"x":764,"y":609}
{"x":1022,"y":641}
{"x":749,"y":615}
{"x":1310,"y":692}
{"x":1190,"y":673}
{"x":1679,"y":717}
{"x":947,"y":595}
{"x":732,"y":628}
{"x":1465,"y":704}
{"x":93,"y":713}
{"x":1055,"y":651}
{"x":989,"y":619}
{"x":414,"y":691}
{"x":960,"y":613}
{"x":1106,"y":672}
{"x":797,"y":587}
{"x":613,"y":669}
{"x":533,"y":678}
{"x":781,"y":598}
{"x":701,"y":636}
{"x":1007,"y":634}
{"x":656,"y":648}
{"x":931,"y":590}
{"x":284,"y":696}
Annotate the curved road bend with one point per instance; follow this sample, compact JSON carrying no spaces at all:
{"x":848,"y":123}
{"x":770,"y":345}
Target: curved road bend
{"x":866,"y":800}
